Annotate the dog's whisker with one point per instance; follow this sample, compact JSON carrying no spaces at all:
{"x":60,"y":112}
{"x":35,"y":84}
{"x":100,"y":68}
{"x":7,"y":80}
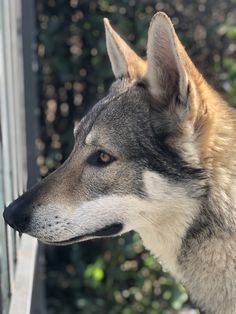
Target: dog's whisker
{"x":148,"y":220}
{"x":68,"y":229}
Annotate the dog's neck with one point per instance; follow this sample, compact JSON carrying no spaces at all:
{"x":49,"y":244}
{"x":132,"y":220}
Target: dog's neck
{"x":204,"y":263}
{"x":196,"y":242}
{"x":165,"y":219}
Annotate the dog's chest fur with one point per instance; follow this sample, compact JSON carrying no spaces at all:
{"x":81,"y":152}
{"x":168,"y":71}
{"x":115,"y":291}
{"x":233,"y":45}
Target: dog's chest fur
{"x":196,"y":244}
{"x":207,"y":269}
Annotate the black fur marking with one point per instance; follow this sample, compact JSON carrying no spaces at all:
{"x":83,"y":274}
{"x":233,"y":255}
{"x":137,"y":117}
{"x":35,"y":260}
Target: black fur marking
{"x":208,"y":223}
{"x":158,"y":156}
{"x":109,"y":230}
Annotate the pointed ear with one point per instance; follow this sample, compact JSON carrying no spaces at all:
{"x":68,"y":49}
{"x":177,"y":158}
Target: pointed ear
{"x":167,"y":60}
{"x":124,"y":61}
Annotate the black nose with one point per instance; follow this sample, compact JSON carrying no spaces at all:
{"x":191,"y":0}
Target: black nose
{"x":17,"y":214}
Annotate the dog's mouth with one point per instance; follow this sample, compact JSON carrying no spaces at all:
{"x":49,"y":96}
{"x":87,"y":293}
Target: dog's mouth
{"x":107,"y":231}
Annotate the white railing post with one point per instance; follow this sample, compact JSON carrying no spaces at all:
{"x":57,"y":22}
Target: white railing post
{"x":18,"y":121}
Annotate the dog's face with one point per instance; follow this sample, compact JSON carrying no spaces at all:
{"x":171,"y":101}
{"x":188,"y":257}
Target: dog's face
{"x":135,"y":154}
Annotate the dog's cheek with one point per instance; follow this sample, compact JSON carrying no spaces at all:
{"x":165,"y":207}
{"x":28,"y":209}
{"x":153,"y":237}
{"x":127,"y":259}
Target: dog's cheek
{"x":110,"y":209}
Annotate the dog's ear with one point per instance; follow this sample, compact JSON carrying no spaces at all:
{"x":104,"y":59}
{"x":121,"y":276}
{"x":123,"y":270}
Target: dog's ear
{"x":166,"y":61}
{"x":124,"y":61}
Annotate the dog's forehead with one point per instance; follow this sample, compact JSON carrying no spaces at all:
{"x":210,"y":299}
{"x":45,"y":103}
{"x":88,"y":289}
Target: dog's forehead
{"x":118,"y":109}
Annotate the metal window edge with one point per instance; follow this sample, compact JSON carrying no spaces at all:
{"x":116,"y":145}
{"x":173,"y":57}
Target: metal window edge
{"x":24,"y":277}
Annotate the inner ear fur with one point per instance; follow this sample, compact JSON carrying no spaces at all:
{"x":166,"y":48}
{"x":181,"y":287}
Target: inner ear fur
{"x":173,"y":80}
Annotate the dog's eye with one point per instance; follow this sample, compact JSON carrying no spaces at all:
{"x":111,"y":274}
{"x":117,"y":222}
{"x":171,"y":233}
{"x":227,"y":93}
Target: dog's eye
{"x":100,"y":158}
{"x":105,"y":158}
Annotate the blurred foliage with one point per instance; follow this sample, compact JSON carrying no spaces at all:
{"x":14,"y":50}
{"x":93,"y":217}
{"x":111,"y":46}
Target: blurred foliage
{"x":110,"y":276}
{"x":114,"y":276}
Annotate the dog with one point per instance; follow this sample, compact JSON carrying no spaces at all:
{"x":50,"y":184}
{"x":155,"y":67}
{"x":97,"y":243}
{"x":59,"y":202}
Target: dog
{"x":156,"y":155}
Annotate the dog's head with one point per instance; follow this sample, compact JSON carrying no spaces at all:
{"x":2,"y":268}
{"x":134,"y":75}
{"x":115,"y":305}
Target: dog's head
{"x":136,"y":158}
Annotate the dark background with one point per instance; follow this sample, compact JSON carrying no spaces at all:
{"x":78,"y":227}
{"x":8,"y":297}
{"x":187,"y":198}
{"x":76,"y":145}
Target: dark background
{"x":115,"y":275}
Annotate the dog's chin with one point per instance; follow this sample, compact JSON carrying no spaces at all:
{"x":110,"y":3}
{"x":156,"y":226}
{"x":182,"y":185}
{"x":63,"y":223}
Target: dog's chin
{"x":107,"y":231}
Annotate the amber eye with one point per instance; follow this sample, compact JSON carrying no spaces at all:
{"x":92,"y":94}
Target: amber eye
{"x":100,"y":159}
{"x":104,"y":157}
